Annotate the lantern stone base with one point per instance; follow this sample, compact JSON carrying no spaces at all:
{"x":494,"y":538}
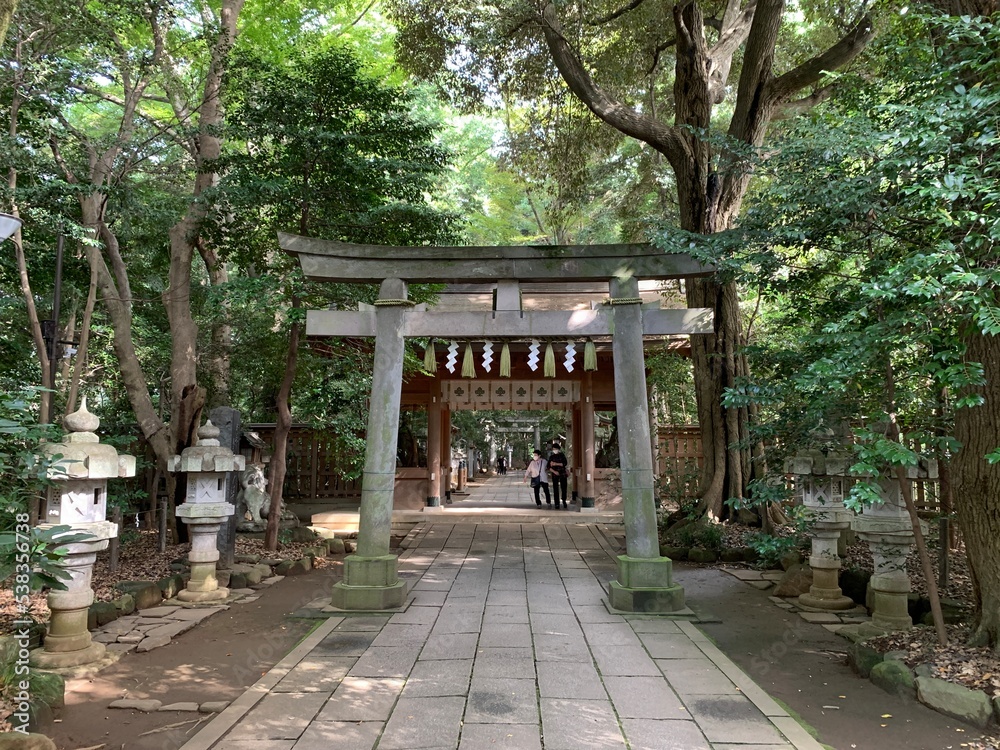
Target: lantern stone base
{"x":54,"y":660}
{"x":216,"y":595}
{"x":645,"y":584}
{"x":825,"y":593}
{"x":370,"y":583}
{"x":890,"y":609}
{"x":203,"y":585}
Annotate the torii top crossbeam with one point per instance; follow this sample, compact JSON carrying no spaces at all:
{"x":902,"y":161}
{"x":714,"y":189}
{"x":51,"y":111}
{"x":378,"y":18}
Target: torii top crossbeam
{"x":325,"y":260}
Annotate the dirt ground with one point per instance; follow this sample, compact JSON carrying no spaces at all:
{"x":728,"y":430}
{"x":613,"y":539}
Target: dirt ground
{"x":804,"y":666}
{"x":800,"y":664}
{"x":215,"y":661}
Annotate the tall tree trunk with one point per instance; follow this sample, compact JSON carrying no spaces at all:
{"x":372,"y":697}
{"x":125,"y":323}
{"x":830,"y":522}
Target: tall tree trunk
{"x":711,"y":186}
{"x":283,"y":426}
{"x":7,"y":9}
{"x":81,"y":352}
{"x":976,"y":484}
{"x":187,"y":398}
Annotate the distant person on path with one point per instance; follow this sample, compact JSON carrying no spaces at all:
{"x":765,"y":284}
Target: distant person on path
{"x":539,"y":477}
{"x":559,"y":471}
{"x":502,"y":466}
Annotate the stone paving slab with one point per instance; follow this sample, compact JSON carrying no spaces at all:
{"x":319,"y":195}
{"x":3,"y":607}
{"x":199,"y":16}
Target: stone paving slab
{"x":316,"y":675}
{"x":644,"y":698}
{"x":507,"y":643}
{"x":570,"y":680}
{"x":502,"y":701}
{"x":423,"y":723}
{"x":439,"y":678}
{"x":510,"y":736}
{"x":343,"y":735}
{"x":652,"y":734}
{"x":575,"y":724}
{"x":361,"y":699}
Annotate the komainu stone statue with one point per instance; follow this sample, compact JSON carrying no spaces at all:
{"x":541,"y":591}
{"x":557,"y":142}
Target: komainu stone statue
{"x":253,"y":501}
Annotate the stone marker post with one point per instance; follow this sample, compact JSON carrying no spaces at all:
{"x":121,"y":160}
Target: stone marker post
{"x":78,"y":500}
{"x":370,"y":579}
{"x":823,"y":480}
{"x":230,"y":430}
{"x":645,"y":578}
{"x":207,"y":465}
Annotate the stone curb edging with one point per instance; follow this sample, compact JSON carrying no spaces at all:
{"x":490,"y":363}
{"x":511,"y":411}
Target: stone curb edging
{"x":239,"y":708}
{"x":950,"y":699}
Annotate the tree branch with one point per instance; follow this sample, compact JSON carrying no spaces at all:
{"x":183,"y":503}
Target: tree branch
{"x":810,"y":72}
{"x":615,"y":13}
{"x":658,"y":50}
{"x":735,"y":29}
{"x":667,"y":140}
{"x":798,"y":107}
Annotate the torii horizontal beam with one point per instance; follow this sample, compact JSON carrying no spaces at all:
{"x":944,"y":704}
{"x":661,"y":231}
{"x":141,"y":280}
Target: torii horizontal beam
{"x":325,"y":260}
{"x":501,"y":324}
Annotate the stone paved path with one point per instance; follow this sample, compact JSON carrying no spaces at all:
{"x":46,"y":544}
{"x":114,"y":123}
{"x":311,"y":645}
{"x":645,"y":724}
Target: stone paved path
{"x":506,"y":643}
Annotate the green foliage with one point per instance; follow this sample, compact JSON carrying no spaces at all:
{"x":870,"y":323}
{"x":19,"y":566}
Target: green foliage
{"x":23,"y":472}
{"x":701,"y":533}
{"x":677,"y":486}
{"x":871,"y":242}
{"x":771,"y":548}
{"x":42,"y":550}
{"x":44,"y":687}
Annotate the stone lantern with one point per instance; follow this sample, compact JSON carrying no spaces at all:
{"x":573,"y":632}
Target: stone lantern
{"x":823,"y":479}
{"x":888,"y":531}
{"x":78,"y":499}
{"x":205,"y":509}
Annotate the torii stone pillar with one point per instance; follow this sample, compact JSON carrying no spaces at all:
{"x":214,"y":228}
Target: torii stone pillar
{"x":574,"y":457}
{"x":371,"y":580}
{"x":434,"y":452}
{"x":446,"y":454}
{"x":645,"y":578}
{"x":587,"y":454}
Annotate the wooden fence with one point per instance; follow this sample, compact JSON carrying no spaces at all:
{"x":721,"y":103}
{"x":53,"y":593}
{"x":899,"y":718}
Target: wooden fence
{"x":679,"y":460}
{"x":313,"y":469}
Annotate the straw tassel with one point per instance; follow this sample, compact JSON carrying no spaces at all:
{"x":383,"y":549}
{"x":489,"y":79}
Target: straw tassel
{"x":430,"y":357}
{"x":505,"y":361}
{"x":589,"y":357}
{"x":549,"y":368}
{"x":469,"y":362}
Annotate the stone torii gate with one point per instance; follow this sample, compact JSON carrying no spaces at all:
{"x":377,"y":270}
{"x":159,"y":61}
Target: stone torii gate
{"x":371,"y":582}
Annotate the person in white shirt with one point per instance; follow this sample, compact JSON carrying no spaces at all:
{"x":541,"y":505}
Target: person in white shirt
{"x":537,"y":472}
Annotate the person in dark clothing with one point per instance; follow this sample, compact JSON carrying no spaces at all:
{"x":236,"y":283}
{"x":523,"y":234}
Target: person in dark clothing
{"x":501,"y":466}
{"x":558,"y":472}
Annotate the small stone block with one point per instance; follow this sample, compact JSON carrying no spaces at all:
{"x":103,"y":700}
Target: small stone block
{"x":368,"y":598}
{"x":371,"y":571}
{"x":650,"y":600}
{"x":641,"y":573}
{"x":146,"y":706}
{"x":213,"y":707}
{"x":148,"y":644}
{"x":183,"y":706}
{"x":819,"y":617}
